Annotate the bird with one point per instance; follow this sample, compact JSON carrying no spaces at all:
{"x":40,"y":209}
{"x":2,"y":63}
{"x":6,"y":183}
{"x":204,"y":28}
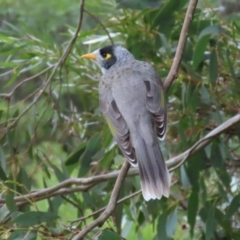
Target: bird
{"x":133,"y":102}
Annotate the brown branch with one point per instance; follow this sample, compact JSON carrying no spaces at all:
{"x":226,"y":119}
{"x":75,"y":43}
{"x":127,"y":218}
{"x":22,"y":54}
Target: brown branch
{"x":119,"y":201}
{"x":102,"y":209}
{"x":173,"y":73}
{"x":85,"y":184}
{"x":62,"y":188}
{"x":8,"y":95}
{"x":180,"y":159}
{"x":111,"y":204}
{"x":104,"y":28}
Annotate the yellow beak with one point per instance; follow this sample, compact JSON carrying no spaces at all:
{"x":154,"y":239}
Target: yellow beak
{"x":89,"y":56}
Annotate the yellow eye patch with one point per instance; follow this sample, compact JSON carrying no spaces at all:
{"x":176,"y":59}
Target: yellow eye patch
{"x":108,"y":55}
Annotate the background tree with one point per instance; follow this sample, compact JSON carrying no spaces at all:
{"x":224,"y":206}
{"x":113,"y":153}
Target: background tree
{"x":58,"y":162}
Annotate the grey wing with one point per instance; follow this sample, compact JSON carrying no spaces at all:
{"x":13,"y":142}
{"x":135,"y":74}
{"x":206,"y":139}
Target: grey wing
{"x":117,"y":125}
{"x":155,"y":100}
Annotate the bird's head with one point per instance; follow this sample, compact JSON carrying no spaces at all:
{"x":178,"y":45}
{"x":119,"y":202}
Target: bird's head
{"x":108,"y":56}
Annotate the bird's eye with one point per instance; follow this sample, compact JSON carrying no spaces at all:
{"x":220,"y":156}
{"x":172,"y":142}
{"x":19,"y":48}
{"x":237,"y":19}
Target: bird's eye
{"x":106,"y":55}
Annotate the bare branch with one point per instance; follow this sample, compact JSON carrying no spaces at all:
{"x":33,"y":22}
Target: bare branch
{"x":102,"y":209}
{"x":111,"y":204}
{"x":180,"y":159}
{"x":173,"y":73}
{"x":86,"y":183}
{"x":119,"y":201}
{"x":8,"y":95}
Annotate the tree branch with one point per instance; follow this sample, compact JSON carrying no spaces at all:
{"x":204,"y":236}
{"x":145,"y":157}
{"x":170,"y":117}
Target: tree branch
{"x":102,"y":209}
{"x":9,"y":95}
{"x":111,"y":204}
{"x":173,"y":73}
{"x":86,"y":183}
{"x":180,"y":159}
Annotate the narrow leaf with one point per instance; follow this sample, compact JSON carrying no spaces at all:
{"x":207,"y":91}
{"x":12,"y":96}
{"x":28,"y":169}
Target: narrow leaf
{"x":161,"y":228}
{"x":21,"y":234}
{"x":233,"y":207}
{"x":213,"y":66}
{"x":11,"y":204}
{"x":200,"y":48}
{"x":172,"y":223}
{"x":109,"y":235}
{"x":210,"y":224}
{"x":192,"y":210}
{"x":32,"y":218}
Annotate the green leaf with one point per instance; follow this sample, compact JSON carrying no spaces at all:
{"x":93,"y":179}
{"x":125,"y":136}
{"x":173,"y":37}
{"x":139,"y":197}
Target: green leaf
{"x":60,"y":175}
{"x":230,"y":66}
{"x":13,"y":78}
{"x":214,"y":29}
{"x":172,"y":223}
{"x":210,"y":224}
{"x":2,"y":174}
{"x":32,"y":218}
{"x":93,"y":146}
{"x":184,"y":178}
{"x":195,"y":164}
{"x":213,"y":66}
{"x":11,"y":204}
{"x":203,"y":190}
{"x":197,"y":26}
{"x":25,"y":181}
{"x":192,"y":210}
{"x":223,"y":222}
{"x":200,"y":48}
{"x":222,"y":192}
{"x":139,"y":4}
{"x":206,"y":98}
{"x":233,"y":207}
{"x":8,"y":64}
{"x":7,"y":39}
{"x":161,"y":227}
{"x":163,"y":19}
{"x":23,"y":235}
{"x":4,"y":212}
{"x":74,"y":157}
{"x":107,"y":234}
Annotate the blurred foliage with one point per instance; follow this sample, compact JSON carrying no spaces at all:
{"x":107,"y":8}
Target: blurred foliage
{"x":50,"y":132}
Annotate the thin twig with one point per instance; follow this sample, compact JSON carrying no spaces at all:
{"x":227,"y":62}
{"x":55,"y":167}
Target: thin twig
{"x":8,"y":95}
{"x":111,"y":204}
{"x":119,"y":201}
{"x":76,"y":205}
{"x":180,"y":159}
{"x":104,"y":28}
{"x":102,"y":209}
{"x":64,"y":187}
{"x":173,"y":73}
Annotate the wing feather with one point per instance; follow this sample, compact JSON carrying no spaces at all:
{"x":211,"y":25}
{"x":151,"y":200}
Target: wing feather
{"x":117,"y":125}
{"x":155,"y":100}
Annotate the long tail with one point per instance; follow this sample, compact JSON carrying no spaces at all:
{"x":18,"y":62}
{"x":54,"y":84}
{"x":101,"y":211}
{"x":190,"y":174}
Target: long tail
{"x":155,"y":179}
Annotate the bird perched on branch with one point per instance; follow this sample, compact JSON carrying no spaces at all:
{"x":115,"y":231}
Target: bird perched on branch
{"x":132,"y":100}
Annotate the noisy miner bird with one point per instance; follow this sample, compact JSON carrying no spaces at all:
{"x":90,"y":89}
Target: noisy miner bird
{"x":133,"y":102}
